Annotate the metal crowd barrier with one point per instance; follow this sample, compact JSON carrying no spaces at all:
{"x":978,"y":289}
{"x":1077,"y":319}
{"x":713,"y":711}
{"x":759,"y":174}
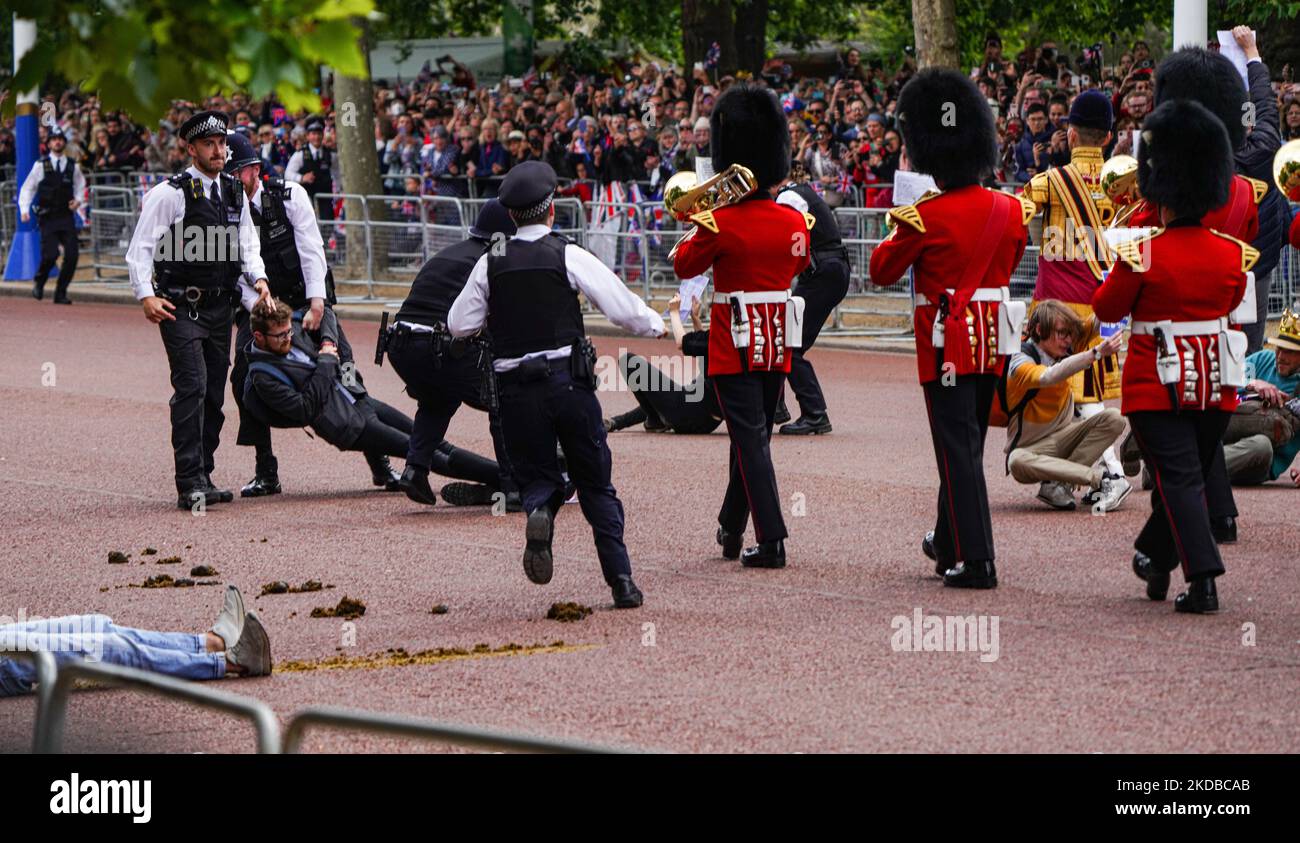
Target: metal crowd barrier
{"x":46,"y":675}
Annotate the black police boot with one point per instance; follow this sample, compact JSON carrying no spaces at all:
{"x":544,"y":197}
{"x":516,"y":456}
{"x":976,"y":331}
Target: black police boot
{"x":537,"y":552}
{"x":415,"y":483}
{"x":975,"y":574}
{"x":62,"y":300}
{"x":1224,"y":530}
{"x":189,"y":497}
{"x":927,"y":547}
{"x":626,"y":594}
{"x":1157,"y":581}
{"x":1200,"y":598}
{"x":382,"y":474}
{"x":38,"y":293}
{"x":260,"y":486}
{"x":514,"y":502}
{"x":808,"y":426}
{"x":782,"y":412}
{"x":469,"y":494}
{"x":731,"y":543}
{"x":764,"y":555}
{"x":222,"y":495}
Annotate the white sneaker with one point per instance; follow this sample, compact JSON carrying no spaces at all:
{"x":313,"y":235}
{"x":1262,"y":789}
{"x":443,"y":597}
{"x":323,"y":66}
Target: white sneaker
{"x":230,"y":623}
{"x":1056,"y":495}
{"x":1112,"y":493}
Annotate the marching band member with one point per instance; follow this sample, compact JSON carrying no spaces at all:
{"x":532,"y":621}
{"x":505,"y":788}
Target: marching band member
{"x":963,"y":244}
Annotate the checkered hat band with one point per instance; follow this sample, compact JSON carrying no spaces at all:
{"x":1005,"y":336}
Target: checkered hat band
{"x":212,"y":125}
{"x":535,"y":210}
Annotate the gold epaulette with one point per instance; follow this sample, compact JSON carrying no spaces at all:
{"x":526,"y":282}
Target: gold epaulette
{"x":1249,"y":254}
{"x":1027,"y":209}
{"x":1130,"y":251}
{"x":1259,"y":188}
{"x":704,"y":219}
{"x":810,"y":219}
{"x":908,"y":214}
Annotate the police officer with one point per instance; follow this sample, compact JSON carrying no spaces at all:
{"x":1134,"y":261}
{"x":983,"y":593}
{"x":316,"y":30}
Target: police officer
{"x":191,"y":293}
{"x":312,"y":166}
{"x":527,"y":297}
{"x":296,"y":269}
{"x":822,"y":286}
{"x":57,"y":185}
{"x":442,"y":372}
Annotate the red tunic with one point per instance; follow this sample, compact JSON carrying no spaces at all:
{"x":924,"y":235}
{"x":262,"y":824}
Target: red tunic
{"x":1295,"y":232}
{"x":1238,"y":217}
{"x":940,"y":237}
{"x":759,"y":246}
{"x":1192,"y":274}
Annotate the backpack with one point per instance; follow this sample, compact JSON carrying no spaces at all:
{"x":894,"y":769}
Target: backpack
{"x":1000,"y":413}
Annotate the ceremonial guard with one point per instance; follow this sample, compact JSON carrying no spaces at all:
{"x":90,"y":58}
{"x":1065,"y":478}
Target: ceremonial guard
{"x":193,"y":255}
{"x":822,"y":287}
{"x":56,"y":185}
{"x":313,"y":167}
{"x":963,"y":244}
{"x":299,"y":276}
{"x":1074,"y":259}
{"x":442,"y":372}
{"x":755,"y":247}
{"x":527,"y":298}
{"x":1180,"y":283}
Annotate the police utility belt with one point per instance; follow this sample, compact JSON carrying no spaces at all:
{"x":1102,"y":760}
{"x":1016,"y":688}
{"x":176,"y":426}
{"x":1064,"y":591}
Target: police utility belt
{"x":739,"y":302}
{"x":1225,"y":356}
{"x":1011,"y":316}
{"x":194,"y":297}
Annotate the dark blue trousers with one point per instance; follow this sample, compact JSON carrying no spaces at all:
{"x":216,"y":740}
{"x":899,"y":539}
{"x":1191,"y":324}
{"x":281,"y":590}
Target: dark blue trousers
{"x":534,"y":417}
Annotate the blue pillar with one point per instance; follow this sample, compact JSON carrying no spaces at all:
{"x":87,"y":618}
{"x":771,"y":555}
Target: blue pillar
{"x":25,"y":251}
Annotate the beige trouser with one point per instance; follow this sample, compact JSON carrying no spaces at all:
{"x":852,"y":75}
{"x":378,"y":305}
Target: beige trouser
{"x":1068,"y":454}
{"x":1249,"y":460}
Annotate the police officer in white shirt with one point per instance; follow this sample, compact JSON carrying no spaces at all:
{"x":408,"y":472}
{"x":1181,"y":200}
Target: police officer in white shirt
{"x":193,"y":255}
{"x":526,"y":294}
{"x":56,"y":185}
{"x":313,"y":168}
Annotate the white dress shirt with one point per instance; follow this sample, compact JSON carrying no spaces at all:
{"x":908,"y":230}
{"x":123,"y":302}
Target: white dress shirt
{"x":587,"y":275}
{"x":164,"y":206}
{"x":27,"y":195}
{"x":293,"y":170}
{"x":306,"y":236}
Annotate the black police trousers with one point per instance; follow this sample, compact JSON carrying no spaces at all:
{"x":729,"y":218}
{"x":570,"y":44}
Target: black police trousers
{"x":198,"y":352}
{"x":959,"y":423}
{"x":821,"y":293}
{"x":253,"y":432}
{"x":1179,"y":449}
{"x":57,"y":230}
{"x":748,"y":402}
{"x":534,"y":416}
{"x":683,"y":408}
{"x":439,"y":387}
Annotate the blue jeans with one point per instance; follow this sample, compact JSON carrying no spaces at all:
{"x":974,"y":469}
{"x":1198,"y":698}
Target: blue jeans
{"x":96,"y":638}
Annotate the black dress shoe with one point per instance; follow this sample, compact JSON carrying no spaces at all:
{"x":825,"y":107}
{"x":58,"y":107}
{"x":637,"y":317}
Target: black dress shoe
{"x":808,"y":426}
{"x":415,"y":483}
{"x":764,"y":555}
{"x":731,"y":543}
{"x":382,"y":474}
{"x":220,"y":495}
{"x":782,"y":414}
{"x":514,"y":502}
{"x":976,"y":574}
{"x":469,"y":494}
{"x":537,"y":552}
{"x":187,"y":499}
{"x":1200,"y":598}
{"x":626,"y":594}
{"x":64,"y":300}
{"x":1224,"y":530}
{"x":260,"y":486}
{"x":927,"y":547}
{"x":1157,"y":581}
{"x":38,"y":291}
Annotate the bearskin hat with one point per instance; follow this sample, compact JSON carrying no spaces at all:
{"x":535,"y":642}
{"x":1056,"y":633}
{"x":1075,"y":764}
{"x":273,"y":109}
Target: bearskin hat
{"x":1184,"y":160}
{"x":948,"y":127}
{"x":1194,"y":73}
{"x":748,"y":127}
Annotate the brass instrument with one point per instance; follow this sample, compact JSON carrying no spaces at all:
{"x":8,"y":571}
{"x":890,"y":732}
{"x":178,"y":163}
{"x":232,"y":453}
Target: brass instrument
{"x":1286,"y":170}
{"x":1119,"y":179}
{"x":685,"y":195}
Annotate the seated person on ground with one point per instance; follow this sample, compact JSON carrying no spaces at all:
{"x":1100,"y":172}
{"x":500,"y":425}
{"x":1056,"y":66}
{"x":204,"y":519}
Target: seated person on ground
{"x":237,"y":645}
{"x":1046,"y":444}
{"x":293,"y":382}
{"x":664,"y":403}
{"x":1263,"y":437}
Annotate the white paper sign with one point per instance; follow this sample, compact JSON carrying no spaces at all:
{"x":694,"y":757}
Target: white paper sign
{"x":1231,"y":50}
{"x":1115,"y":236}
{"x":909,"y":187}
{"x":690,"y":290}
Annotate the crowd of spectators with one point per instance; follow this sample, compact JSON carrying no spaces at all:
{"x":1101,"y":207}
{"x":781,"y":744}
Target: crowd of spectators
{"x":441,"y":133}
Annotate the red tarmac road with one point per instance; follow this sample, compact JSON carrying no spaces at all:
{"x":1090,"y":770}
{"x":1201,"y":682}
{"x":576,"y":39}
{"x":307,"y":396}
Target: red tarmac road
{"x":719,"y":659}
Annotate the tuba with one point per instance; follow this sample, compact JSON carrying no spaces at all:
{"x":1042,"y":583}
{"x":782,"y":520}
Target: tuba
{"x":685,"y":195}
{"x":1286,"y":170}
{"x":1119,"y":179}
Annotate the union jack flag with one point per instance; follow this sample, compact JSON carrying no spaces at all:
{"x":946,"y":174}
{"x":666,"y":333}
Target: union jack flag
{"x":713,"y":55}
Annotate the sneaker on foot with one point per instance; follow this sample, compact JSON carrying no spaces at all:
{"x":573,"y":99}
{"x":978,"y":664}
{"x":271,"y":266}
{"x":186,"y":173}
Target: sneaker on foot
{"x":1056,"y":495}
